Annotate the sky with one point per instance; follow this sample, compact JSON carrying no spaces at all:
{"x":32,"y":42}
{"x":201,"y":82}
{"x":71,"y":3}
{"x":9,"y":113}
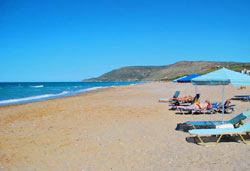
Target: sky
{"x":71,"y":40}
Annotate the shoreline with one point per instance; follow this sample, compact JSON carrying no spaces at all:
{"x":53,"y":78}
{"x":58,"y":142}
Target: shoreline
{"x":118,"y":128}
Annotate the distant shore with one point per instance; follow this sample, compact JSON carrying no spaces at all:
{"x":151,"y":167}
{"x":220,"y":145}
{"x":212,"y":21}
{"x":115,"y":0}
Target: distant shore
{"x":117,"y":128}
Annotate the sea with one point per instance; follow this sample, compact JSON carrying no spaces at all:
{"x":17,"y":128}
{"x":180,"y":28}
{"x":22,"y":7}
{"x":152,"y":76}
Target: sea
{"x":26,"y":92}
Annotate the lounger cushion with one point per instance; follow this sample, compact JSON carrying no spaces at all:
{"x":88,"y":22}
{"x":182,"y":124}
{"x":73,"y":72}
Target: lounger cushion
{"x":207,"y":132}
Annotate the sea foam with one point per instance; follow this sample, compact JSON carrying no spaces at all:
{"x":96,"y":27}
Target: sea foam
{"x":38,"y":86}
{"x":93,"y":88}
{"x":32,"y":98}
{"x":86,"y":90}
{"x":46,"y":96}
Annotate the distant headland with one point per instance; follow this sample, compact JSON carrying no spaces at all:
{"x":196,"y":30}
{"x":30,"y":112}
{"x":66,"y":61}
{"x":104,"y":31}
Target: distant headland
{"x":166,"y":72}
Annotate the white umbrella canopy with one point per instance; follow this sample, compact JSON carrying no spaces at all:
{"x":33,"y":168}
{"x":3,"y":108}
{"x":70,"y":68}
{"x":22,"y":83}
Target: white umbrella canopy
{"x":223,"y":77}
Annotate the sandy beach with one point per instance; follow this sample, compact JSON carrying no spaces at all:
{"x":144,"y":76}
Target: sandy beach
{"x":118,"y":128}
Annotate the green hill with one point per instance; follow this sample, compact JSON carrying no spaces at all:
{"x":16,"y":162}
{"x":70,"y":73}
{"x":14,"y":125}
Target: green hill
{"x":167,"y":72}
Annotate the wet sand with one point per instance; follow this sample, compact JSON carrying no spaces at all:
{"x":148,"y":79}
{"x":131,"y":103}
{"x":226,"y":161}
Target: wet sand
{"x":119,"y":128}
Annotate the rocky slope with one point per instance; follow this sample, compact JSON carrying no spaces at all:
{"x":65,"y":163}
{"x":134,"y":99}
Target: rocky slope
{"x":167,"y":72}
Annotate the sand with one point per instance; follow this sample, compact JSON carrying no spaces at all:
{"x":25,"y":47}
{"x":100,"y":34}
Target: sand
{"x":119,"y":128}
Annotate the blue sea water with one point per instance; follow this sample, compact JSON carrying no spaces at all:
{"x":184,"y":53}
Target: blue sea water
{"x":25,"y":92}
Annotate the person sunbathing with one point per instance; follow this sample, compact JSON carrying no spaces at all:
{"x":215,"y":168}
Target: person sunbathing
{"x":200,"y":106}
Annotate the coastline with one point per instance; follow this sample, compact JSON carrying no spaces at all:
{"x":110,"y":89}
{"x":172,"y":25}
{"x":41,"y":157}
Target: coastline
{"x":116,"y":128}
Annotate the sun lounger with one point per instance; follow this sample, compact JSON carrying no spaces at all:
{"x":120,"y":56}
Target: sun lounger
{"x":239,"y":96}
{"x":214,"y":109}
{"x":176,"y":95}
{"x":217,"y":107}
{"x":192,"y":111}
{"x":226,"y":131}
{"x":242,"y":97}
{"x":227,"y":107}
{"x":234,"y":121}
{"x":177,"y":103}
{"x":199,"y":110}
{"x":183,"y":99}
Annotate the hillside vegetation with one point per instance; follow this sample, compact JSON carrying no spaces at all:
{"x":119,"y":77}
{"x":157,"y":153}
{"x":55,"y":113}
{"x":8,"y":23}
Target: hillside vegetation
{"x":167,"y":72}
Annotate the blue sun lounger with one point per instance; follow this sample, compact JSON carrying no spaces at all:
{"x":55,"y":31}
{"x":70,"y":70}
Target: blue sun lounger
{"x":176,"y":95}
{"x":195,"y":99}
{"x":228,"y":108}
{"x":215,"y":108}
{"x":242,"y":97}
{"x":226,"y":131}
{"x":233,"y":121}
{"x":192,"y":111}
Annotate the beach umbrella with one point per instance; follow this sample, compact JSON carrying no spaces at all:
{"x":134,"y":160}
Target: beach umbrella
{"x":223,"y":77}
{"x":188,"y":79}
{"x":178,"y":79}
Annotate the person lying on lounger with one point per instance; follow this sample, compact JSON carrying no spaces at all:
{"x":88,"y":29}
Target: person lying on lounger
{"x":199,"y":106}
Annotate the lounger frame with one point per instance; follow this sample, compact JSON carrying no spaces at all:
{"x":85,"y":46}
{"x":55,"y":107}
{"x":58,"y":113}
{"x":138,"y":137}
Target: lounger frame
{"x":221,"y":135}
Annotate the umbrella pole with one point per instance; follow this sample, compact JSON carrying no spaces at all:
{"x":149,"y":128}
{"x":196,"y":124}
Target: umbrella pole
{"x":223,"y":98}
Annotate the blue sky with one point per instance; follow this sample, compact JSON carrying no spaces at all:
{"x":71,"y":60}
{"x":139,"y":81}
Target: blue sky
{"x":69,"y":40}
